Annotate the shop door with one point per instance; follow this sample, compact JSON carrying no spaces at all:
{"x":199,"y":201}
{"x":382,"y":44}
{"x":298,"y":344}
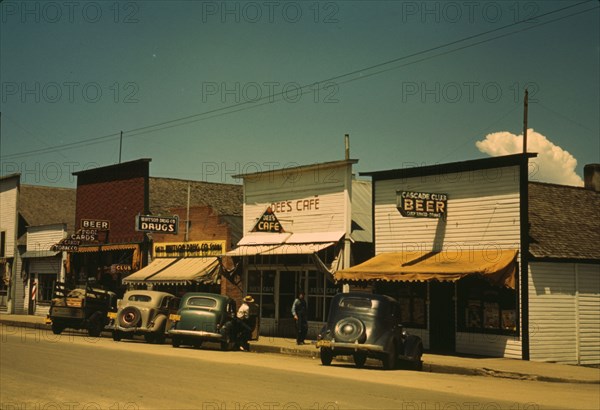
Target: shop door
{"x":442,"y":329}
{"x":288,"y":282}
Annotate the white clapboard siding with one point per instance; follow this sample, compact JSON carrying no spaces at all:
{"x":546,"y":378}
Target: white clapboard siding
{"x":480,"y":213}
{"x":19,"y":300}
{"x":552,"y":312}
{"x":41,"y":238}
{"x":326,"y":185}
{"x":589,"y":313}
{"x":488,"y":345}
{"x":8,"y":214}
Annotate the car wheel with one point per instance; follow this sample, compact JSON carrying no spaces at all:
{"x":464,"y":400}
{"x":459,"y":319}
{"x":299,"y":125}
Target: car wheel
{"x":57,"y":329}
{"x":417,"y":363}
{"x":389,"y":360}
{"x":360,"y":358}
{"x":350,"y":330}
{"x":175,"y":342}
{"x":116,"y":335}
{"x":326,"y":356}
{"x":96,"y":327}
{"x":129,"y":317}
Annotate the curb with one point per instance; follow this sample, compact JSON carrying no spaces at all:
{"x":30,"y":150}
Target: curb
{"x":314,"y":354}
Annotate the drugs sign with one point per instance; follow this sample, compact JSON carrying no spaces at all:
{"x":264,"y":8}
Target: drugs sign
{"x":157,"y":224}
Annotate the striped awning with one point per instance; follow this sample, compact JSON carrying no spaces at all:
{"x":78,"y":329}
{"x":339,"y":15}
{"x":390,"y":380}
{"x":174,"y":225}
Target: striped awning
{"x":188,"y":270}
{"x":152,"y":269}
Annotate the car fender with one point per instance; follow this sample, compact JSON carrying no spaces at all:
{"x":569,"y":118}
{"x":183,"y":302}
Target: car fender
{"x":159,"y":322}
{"x":412,"y":345}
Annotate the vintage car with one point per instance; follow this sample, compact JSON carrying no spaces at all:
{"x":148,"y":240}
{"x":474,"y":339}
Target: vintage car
{"x":143,"y":312}
{"x":80,"y":308}
{"x":365,"y":325}
{"x":204,"y":317}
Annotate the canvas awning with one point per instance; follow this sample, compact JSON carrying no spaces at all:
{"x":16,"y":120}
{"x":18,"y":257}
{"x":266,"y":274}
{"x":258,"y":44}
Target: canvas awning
{"x":187,"y":270}
{"x":39,"y":254}
{"x":285,"y":244}
{"x":152,"y":269}
{"x":496,"y":265}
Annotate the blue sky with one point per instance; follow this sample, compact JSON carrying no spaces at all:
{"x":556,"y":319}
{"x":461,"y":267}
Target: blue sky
{"x":210,"y":89}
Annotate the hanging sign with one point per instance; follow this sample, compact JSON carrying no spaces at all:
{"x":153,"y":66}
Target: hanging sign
{"x":157,"y":224}
{"x":189,"y":249}
{"x":268,"y":223}
{"x":422,"y":204}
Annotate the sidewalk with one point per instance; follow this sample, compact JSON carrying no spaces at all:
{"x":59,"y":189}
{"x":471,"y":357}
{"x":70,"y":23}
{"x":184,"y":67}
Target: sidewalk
{"x":464,"y":365}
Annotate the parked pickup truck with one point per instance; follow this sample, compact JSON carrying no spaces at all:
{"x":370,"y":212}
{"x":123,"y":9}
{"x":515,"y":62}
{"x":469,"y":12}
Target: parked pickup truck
{"x":80,"y":308}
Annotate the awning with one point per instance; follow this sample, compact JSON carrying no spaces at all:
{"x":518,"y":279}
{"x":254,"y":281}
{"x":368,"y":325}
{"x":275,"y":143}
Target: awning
{"x":283,"y":249}
{"x":496,"y":265}
{"x":153,"y":268}
{"x":39,"y":254}
{"x":187,"y":270}
{"x":98,"y":248}
{"x":285,"y":244}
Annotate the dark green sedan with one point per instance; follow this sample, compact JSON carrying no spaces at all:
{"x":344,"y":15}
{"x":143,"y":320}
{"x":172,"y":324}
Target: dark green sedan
{"x":204,"y":317}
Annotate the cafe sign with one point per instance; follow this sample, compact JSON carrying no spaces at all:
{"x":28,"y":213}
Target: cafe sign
{"x":189,"y":249}
{"x":268,"y":222}
{"x":422,"y":204}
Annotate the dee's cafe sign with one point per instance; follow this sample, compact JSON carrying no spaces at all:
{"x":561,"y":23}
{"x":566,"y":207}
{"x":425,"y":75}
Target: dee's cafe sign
{"x":422,"y":204}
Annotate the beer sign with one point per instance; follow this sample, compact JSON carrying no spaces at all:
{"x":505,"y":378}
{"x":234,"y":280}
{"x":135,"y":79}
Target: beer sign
{"x":422,"y":204}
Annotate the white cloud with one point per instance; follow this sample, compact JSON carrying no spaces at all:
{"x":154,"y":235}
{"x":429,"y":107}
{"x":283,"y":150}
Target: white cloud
{"x":553,"y":164}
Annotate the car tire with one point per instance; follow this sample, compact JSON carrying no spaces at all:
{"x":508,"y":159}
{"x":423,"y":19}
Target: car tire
{"x":350,"y":330}
{"x":175,"y":342}
{"x":57,"y":329}
{"x":129,"y":317}
{"x":116,"y":335}
{"x":389,"y":360}
{"x":326,"y":356}
{"x":360,"y":358}
{"x":417,"y":362}
{"x":96,"y":326}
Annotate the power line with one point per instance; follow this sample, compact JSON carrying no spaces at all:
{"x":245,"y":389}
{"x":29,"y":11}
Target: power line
{"x":310,"y":88}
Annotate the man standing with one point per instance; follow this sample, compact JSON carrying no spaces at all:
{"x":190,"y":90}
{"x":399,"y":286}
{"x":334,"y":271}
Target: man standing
{"x":300,"y":316}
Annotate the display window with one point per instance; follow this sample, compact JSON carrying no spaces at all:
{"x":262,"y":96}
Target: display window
{"x":320,"y":292}
{"x":45,"y":287}
{"x":261,"y":285}
{"x":485,"y":308}
{"x":412,"y":297}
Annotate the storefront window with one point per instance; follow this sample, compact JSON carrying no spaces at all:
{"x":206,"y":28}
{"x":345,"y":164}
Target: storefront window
{"x":486,"y":308}
{"x":45,"y":287}
{"x":412,"y":297}
{"x":261,"y":285}
{"x":319,"y":295}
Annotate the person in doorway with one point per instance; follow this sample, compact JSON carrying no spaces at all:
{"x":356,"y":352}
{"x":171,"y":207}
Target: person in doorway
{"x":246,"y":322}
{"x":299,"y":311}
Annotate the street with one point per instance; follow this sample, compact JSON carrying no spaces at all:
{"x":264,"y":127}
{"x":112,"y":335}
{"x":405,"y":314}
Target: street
{"x":39,"y":370}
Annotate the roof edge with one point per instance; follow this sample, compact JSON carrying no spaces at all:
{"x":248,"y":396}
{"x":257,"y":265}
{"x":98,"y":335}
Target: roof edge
{"x":321,"y":165}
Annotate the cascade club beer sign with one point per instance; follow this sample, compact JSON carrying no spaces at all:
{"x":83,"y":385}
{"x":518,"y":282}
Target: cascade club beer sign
{"x":189,"y":249}
{"x":157,"y":224}
{"x":268,"y":223}
{"x":421,"y":204}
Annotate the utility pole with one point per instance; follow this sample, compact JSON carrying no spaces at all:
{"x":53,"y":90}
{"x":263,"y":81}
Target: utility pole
{"x":120,"y":146}
{"x":525,"y":103}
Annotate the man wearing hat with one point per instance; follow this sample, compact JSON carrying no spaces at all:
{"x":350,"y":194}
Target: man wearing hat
{"x":247,"y":321}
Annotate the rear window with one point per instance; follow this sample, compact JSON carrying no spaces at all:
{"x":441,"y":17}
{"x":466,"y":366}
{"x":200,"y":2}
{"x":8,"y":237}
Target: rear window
{"x":356,"y":303}
{"x":139,"y":298}
{"x":202,"y":302}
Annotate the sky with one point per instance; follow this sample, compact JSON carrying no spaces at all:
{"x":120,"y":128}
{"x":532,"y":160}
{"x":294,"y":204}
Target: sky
{"x":210,"y":89}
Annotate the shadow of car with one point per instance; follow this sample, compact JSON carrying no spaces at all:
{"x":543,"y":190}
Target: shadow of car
{"x":143,"y":312}
{"x":365,"y":325}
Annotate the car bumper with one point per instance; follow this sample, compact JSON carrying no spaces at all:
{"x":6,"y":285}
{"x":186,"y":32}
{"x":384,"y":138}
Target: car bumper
{"x":198,"y":334}
{"x":349,"y":347}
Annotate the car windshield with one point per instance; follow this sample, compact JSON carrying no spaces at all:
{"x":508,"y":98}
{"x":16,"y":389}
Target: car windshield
{"x":202,"y":302}
{"x":356,"y":303}
{"x":139,"y":298}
